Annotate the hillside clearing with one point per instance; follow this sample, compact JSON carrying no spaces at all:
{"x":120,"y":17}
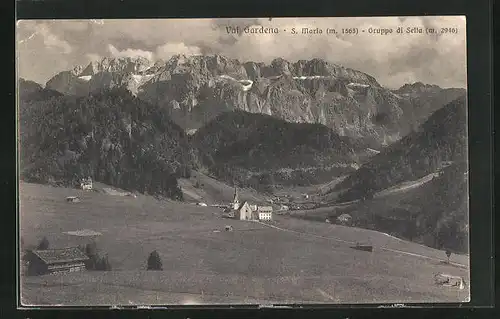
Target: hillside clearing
{"x":201,"y":187}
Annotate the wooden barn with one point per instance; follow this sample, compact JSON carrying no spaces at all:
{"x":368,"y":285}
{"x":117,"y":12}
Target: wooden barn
{"x":72,"y":199}
{"x":344,"y":219}
{"x":40,"y":262}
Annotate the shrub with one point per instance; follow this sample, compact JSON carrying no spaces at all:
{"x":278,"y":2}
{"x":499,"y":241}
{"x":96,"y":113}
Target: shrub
{"x":448,"y":254}
{"x":43,"y":244}
{"x":103,"y":264}
{"x":95,"y":262}
{"x":91,"y":249}
{"x":154,"y":261}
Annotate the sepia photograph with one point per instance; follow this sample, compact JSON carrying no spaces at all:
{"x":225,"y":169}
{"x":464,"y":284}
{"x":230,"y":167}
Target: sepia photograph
{"x":240,"y":161}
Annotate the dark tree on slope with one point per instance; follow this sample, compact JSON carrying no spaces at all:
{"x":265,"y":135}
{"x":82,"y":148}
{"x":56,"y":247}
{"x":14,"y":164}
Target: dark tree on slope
{"x":91,"y":252}
{"x":43,"y":244}
{"x":103,"y":264}
{"x":448,"y":255}
{"x":154,"y":261}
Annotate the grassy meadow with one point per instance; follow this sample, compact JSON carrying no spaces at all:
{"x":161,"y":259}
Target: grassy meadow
{"x":301,"y":262}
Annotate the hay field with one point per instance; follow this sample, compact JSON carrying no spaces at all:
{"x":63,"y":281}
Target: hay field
{"x":253,"y":264}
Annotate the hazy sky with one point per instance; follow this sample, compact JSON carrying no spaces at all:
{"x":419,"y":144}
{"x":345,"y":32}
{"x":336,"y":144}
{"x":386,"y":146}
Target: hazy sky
{"x":46,"y":47}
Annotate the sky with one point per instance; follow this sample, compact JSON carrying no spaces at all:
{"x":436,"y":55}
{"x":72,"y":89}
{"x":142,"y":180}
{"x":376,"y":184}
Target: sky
{"x":47,"y":47}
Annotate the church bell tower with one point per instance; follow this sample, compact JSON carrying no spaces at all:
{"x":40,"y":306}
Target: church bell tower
{"x":236,"y":200}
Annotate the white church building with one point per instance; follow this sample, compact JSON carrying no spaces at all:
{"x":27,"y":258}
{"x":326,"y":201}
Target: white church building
{"x":245,"y":211}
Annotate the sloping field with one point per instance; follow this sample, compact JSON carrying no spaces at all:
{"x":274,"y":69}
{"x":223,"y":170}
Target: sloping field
{"x":253,"y":264}
{"x":406,"y":185}
{"x":212,"y":191}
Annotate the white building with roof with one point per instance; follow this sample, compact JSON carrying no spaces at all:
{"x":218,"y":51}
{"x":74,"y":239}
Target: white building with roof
{"x":265,"y":212}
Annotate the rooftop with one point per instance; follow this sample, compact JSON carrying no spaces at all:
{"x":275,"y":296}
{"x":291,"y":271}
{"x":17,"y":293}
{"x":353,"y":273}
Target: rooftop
{"x":264,"y":208}
{"x":242,"y":204}
{"x":51,"y":256}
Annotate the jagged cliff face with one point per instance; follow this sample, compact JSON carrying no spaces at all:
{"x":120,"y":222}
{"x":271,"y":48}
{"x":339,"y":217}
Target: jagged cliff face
{"x":196,"y":89}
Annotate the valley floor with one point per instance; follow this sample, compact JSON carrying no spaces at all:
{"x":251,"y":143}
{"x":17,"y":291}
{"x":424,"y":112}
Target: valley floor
{"x":287,"y":261}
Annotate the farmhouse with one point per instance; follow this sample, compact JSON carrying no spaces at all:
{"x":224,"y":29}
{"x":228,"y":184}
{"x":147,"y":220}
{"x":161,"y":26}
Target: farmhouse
{"x":86,"y":184}
{"x":449,"y":280}
{"x":344,"y":219}
{"x":51,"y":261}
{"x":72,"y":199}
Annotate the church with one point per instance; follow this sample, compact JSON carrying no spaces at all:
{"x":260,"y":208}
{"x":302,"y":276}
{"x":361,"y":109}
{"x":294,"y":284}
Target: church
{"x":245,"y":211}
{"x":240,"y":210}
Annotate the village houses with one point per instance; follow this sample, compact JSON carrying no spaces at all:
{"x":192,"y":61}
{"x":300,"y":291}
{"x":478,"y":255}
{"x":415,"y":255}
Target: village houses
{"x":245,"y":211}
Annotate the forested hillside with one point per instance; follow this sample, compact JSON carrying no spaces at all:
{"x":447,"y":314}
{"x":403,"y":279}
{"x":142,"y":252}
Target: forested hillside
{"x":435,"y":213}
{"x":440,"y":141}
{"x":110,"y":135}
{"x":260,"y":150}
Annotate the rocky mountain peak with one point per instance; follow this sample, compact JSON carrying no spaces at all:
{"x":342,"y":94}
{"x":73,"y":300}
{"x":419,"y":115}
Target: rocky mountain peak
{"x":206,"y":66}
{"x":349,"y":101}
{"x":281,"y":66}
{"x":417,"y":87}
{"x":123,"y":64}
{"x":77,"y":70}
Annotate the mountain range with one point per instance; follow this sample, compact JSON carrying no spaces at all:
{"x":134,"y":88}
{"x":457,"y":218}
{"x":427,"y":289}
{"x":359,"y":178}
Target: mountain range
{"x":196,"y":89}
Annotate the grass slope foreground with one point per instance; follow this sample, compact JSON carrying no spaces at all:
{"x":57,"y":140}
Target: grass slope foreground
{"x":289,"y":261}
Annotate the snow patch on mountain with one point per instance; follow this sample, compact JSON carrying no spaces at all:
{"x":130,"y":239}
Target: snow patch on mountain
{"x":85,"y":77}
{"x":311,"y":77}
{"x":352,"y":84}
{"x":142,"y":78}
{"x":399,"y":97}
{"x":245,"y":84}
{"x":371,"y":150}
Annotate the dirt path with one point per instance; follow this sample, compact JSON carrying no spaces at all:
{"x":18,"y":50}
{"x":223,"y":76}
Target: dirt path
{"x":350,"y":242}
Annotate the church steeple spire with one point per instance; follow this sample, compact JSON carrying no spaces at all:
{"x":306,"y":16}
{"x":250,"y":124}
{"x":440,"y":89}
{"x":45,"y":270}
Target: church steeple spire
{"x":236,"y":200}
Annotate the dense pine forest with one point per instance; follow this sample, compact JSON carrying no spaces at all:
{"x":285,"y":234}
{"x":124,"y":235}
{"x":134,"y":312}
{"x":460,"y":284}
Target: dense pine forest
{"x":110,"y":136}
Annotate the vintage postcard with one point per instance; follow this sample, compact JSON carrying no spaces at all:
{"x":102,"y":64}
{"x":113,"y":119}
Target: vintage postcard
{"x":243,"y":161}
